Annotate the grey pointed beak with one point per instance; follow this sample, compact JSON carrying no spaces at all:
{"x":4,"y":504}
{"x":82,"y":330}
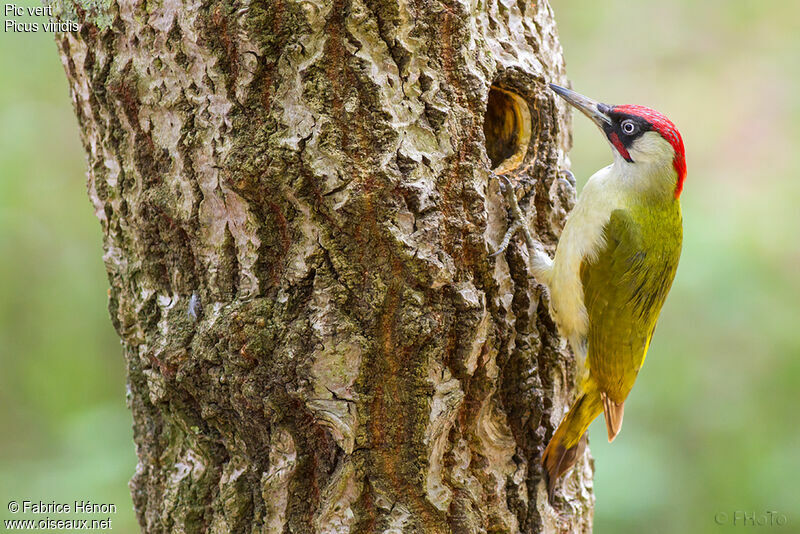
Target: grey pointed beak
{"x":596,"y":111}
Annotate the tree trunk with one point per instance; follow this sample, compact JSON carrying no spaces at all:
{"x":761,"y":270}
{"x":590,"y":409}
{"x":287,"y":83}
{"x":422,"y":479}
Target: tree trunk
{"x":298,"y":214}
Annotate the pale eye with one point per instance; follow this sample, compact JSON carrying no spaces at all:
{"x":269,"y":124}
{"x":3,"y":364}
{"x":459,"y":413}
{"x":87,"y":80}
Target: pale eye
{"x":628,"y":127}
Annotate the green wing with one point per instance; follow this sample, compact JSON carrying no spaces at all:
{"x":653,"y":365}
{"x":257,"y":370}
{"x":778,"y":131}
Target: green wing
{"x":624,"y":289}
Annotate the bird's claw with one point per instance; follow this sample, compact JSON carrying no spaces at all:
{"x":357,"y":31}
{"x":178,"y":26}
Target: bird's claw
{"x":518,"y":222}
{"x":515,"y":226}
{"x":567,"y":174}
{"x":503,"y":181}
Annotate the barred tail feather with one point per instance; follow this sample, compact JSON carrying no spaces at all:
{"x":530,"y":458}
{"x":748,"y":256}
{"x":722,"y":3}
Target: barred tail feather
{"x":569,"y":440}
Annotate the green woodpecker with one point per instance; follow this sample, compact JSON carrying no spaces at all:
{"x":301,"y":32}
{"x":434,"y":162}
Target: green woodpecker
{"x":613,"y":266}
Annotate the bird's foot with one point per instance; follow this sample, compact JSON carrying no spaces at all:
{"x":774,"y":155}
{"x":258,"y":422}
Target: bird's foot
{"x":512,"y":230}
{"x":568,"y":176}
{"x":540,"y":262}
{"x":517,"y":218}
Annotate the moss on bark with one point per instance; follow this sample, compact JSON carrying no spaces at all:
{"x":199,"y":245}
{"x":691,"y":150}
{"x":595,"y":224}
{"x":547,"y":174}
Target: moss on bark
{"x":298,"y":214}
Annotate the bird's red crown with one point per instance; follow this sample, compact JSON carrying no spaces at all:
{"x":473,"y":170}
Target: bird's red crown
{"x":668,"y":131}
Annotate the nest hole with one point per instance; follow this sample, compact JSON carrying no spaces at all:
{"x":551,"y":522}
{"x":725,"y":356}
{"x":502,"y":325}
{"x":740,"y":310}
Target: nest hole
{"x":507,"y":129}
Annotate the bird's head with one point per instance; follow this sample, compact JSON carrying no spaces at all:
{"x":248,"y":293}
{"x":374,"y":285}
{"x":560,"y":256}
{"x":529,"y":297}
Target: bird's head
{"x":639,"y":135}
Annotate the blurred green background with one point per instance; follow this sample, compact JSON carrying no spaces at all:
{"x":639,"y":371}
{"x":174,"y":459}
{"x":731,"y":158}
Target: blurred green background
{"x":65,"y":433}
{"x":711,"y":426}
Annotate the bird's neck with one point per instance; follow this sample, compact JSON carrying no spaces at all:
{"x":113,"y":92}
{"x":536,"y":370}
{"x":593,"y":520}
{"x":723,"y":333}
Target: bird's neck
{"x":648,"y":182}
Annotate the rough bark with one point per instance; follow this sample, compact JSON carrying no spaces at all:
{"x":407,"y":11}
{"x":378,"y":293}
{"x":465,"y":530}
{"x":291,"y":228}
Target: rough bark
{"x":298,"y":214}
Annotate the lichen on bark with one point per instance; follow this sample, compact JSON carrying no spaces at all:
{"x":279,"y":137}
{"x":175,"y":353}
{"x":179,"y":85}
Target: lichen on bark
{"x":298,"y":213}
